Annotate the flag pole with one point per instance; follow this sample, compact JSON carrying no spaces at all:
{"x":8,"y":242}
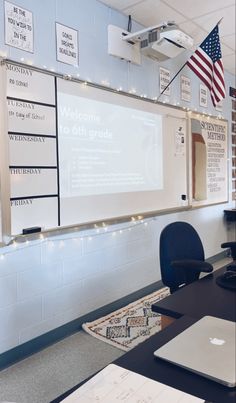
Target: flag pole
{"x":162,"y":92}
{"x":171,"y":81}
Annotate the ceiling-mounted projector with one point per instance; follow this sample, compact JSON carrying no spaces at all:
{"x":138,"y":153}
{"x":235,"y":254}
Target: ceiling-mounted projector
{"x":162,"y":41}
{"x":165,"y":44}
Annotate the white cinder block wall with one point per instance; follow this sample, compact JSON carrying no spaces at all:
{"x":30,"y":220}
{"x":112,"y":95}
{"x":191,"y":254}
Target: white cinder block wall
{"x":51,"y":282}
{"x":46,"y":284}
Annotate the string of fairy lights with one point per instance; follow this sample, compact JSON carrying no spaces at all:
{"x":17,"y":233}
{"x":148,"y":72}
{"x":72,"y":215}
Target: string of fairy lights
{"x":113,"y":230}
{"x":104,"y":84}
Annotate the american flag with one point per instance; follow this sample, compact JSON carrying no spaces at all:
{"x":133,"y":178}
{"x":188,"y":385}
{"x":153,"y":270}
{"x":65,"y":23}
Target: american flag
{"x":206,"y":63}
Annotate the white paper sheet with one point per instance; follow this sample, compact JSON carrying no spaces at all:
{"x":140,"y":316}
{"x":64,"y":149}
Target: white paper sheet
{"x":116,"y":384}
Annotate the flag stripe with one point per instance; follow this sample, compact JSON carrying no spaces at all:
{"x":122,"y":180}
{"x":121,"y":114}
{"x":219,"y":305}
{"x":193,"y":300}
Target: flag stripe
{"x":202,"y":67}
{"x":220,"y":72}
{"x":205,"y":58}
{"x":200,"y":74}
{"x":218,"y":82}
{"x":214,"y":96}
{"x":217,"y":88}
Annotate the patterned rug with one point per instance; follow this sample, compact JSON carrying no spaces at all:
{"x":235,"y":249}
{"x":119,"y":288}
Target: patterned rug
{"x":130,"y":325}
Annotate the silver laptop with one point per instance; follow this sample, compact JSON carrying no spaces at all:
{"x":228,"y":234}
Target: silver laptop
{"x":206,"y":348}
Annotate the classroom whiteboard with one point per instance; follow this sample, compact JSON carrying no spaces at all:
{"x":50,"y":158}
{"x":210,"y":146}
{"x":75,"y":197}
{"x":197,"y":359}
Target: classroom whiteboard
{"x":80,"y":154}
{"x":118,"y":155}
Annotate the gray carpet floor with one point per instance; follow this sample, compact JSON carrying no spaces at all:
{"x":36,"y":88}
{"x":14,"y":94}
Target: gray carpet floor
{"x":49,"y":373}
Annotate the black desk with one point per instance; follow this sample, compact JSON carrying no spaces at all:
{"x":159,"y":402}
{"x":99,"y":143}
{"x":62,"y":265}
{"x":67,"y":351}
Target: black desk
{"x":142,"y":361}
{"x":230,"y":214}
{"x":203,"y":297}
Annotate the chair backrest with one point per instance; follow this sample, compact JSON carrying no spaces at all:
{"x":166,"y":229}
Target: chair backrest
{"x":178,"y":241}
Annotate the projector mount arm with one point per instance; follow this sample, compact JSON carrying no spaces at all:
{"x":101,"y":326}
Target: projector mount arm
{"x":137,"y":36}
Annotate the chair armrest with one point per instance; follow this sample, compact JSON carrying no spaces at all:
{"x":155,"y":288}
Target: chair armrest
{"x":196,"y":265}
{"x":231,"y":244}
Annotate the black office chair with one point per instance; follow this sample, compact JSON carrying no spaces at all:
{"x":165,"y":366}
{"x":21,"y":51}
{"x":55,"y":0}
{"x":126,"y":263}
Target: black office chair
{"x":232,"y":247}
{"x":181,"y":255}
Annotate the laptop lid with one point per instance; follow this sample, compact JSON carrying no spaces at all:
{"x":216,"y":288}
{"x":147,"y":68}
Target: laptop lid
{"x":206,"y":348}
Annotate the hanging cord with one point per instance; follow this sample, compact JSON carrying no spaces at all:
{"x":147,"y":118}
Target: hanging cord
{"x":129,"y":24}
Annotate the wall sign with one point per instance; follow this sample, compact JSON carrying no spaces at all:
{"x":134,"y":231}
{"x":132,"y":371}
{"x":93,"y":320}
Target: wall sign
{"x":164,"y":80}
{"x":67,"y":45}
{"x":180,"y":141}
{"x":209,"y":160}
{"x":185,"y":88}
{"x":19,"y":30}
{"x":219,"y":106}
{"x":232,"y":92}
{"x":203,"y":95}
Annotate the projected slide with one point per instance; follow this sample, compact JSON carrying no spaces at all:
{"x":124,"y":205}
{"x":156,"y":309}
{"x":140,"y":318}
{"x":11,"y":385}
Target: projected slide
{"x":106,"y":148}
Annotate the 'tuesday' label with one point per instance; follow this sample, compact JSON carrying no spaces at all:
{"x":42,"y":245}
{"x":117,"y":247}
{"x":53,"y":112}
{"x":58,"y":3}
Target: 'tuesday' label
{"x":27,"y":117}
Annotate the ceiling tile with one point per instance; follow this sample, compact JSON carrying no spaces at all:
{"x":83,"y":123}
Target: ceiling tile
{"x":229,"y":63}
{"x":152,"y":12}
{"x":227,"y":25}
{"x":194,"y":31}
{"x":193,"y":8}
{"x":229,"y":41}
{"x":120,"y":4}
{"x":225,"y":50}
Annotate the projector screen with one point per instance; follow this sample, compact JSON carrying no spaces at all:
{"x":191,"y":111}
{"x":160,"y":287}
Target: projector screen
{"x":111,"y":154}
{"x":107,"y":148}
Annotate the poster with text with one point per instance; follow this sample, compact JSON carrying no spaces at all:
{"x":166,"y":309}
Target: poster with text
{"x":164,"y":80}
{"x":185,"y":88}
{"x":19,"y":31}
{"x":219,"y":106}
{"x":203,"y":95}
{"x":67,"y":45}
{"x":180,"y":141}
{"x":209,"y":160}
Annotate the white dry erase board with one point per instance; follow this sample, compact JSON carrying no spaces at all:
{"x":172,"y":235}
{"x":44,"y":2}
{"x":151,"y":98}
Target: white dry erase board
{"x":76,"y":154}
